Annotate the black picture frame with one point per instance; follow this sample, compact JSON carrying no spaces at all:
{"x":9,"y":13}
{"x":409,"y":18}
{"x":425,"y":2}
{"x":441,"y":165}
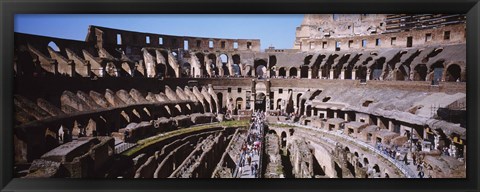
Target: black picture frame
{"x":9,"y":8}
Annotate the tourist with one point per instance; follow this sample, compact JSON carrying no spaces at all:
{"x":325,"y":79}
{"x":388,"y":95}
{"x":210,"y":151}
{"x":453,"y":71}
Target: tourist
{"x":421,"y":174}
{"x":414,"y":157}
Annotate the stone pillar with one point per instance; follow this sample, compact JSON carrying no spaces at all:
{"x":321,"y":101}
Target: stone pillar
{"x":331,"y":74}
{"x":253,"y":96}
{"x":354,"y":75}
{"x":299,"y":72}
{"x":89,"y":68}
{"x":390,"y":126}
{"x":335,"y":114}
{"x":379,"y":123}
{"x":342,"y":74}
{"x":287,"y":73}
{"x":320,"y":73}
{"x":346,"y":117}
{"x":267,"y":100}
{"x":368,"y":74}
{"x":72,"y":68}
{"x":309,"y":73}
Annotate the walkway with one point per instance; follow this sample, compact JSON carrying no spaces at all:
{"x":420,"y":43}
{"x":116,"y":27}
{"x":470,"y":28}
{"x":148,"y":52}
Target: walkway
{"x":252,"y":149}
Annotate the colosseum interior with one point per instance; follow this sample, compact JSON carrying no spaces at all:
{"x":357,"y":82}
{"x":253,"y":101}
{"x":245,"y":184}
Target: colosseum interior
{"x":357,"y":96}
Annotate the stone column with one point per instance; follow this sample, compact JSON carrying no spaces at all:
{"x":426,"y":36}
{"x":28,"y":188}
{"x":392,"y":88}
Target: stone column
{"x":253,"y":95}
{"x":331,"y":73}
{"x":342,"y":74}
{"x":354,"y":75}
{"x":89,"y":68}
{"x":346,"y":117}
{"x":320,"y":73}
{"x":335,"y":115}
{"x":267,"y":100}
{"x":309,"y":73}
{"x":287,"y":73}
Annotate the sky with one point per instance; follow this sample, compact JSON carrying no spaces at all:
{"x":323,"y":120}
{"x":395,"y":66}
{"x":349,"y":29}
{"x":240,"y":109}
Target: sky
{"x":275,"y":30}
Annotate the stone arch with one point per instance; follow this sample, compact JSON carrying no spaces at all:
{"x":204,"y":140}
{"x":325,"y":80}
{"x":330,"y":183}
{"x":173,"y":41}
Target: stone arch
{"x":54,"y":46}
{"x":402,"y":73}
{"x":361,"y":72}
{"x":453,"y":73}
{"x":299,"y":95}
{"x":282,"y":72}
{"x":201,"y":59}
{"x":293,"y":72}
{"x":283,"y":139}
{"x":186,"y":70}
{"x":223,"y":58}
{"x":304,"y":71}
{"x":376,"y":69}
{"x":420,"y":72}
{"x":261,"y":69}
{"x":212,"y":62}
{"x":239,"y":103}
{"x":316,"y":66}
{"x":272,"y":62}
{"x":436,"y":71}
{"x":279,"y":104}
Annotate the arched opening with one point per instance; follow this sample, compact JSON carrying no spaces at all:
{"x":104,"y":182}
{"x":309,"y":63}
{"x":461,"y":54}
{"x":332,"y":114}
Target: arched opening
{"x":376,"y":69}
{"x":365,"y":161}
{"x":160,"y":70}
{"x":236,"y":59}
{"x":304,"y":71}
{"x":328,"y":65}
{"x":298,"y":100}
{"x":261,"y":71}
{"x":212,"y":62}
{"x":201,"y":60}
{"x":279,"y":104}
{"x":260,"y":66}
{"x":453,"y":73}
{"x":54,"y":46}
{"x":402,"y":73}
{"x":272,"y":61}
{"x":260,"y":102}
{"x":337,"y":69}
{"x":316,"y":66}
{"x":169,"y":71}
{"x":348,"y":69}
{"x":186,"y":69}
{"x":420,"y":72}
{"x":224,"y":60}
{"x":284,"y":139}
{"x":293,"y":72}
{"x":307,"y":60}
{"x":239,"y":103}
{"x":361,"y":72}
{"x":376,"y":168}
{"x":437,"y":70}
{"x":282,"y":72}
{"x":220,"y":102}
